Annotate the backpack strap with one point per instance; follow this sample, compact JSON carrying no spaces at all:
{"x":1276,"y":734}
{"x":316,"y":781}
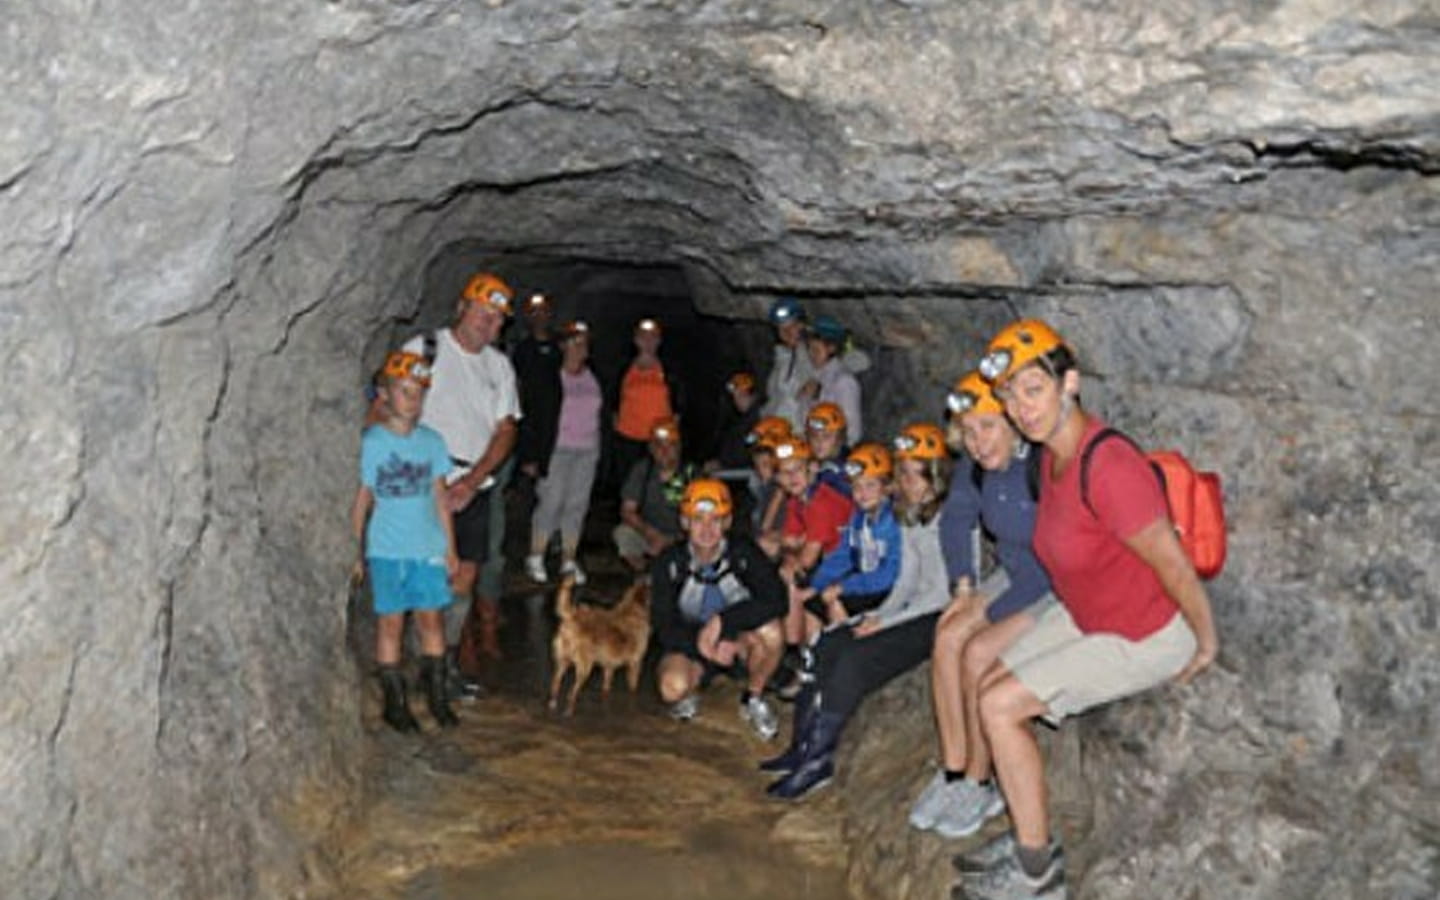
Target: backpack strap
{"x":1101,"y":436}
{"x":430,"y":348}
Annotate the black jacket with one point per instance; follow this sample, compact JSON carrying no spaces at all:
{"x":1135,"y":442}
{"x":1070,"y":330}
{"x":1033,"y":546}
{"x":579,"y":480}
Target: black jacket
{"x":767,"y":601}
{"x":537,"y":375}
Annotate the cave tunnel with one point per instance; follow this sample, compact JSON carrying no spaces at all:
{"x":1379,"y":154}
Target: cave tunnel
{"x":216,"y":220}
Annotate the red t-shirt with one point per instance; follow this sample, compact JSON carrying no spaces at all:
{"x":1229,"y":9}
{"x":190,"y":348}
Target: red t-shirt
{"x":1104,"y":585}
{"x":821,"y":517}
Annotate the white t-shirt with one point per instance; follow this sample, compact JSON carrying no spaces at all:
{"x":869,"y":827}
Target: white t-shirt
{"x":469,"y":394}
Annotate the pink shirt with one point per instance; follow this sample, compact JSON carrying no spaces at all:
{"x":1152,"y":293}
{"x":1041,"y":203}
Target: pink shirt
{"x":579,"y":411}
{"x":1104,"y":585}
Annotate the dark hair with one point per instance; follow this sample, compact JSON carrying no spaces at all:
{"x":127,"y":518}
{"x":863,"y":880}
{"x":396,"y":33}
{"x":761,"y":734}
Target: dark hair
{"x":1060,"y":360}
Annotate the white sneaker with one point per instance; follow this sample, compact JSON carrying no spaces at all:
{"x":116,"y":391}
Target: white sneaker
{"x":761,"y":716}
{"x":535,"y":568}
{"x":572,"y":568}
{"x":686,"y":708}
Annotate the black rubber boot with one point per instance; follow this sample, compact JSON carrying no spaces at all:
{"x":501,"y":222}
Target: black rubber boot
{"x":806,"y":704}
{"x":432,"y":678}
{"x":397,"y":710}
{"x":816,"y":769}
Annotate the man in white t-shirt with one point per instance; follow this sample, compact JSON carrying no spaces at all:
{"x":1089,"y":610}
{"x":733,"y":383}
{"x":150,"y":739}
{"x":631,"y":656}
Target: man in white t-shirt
{"x":474,"y":405}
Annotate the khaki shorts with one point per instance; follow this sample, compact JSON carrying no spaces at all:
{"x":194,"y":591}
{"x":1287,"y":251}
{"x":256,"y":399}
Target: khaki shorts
{"x":629,"y":541}
{"x":1070,"y":671}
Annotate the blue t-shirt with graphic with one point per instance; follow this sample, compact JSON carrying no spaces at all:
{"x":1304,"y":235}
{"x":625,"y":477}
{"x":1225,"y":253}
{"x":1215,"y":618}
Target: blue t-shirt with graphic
{"x":400,"y":470}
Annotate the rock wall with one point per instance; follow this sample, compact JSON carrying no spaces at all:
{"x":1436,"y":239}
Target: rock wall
{"x":208,"y":213}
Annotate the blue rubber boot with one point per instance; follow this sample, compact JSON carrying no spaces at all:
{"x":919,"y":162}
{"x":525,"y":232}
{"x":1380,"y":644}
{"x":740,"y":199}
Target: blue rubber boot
{"x":806,"y":705}
{"x":818,"y":764}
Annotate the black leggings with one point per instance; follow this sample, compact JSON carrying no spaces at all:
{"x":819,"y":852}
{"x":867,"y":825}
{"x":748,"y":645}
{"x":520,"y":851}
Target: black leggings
{"x":848,"y":668}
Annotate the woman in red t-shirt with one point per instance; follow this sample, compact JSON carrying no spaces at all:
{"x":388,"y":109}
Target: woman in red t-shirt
{"x":1133,"y":614}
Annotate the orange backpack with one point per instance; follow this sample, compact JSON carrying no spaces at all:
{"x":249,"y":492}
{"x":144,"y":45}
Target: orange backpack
{"x":1196,"y":502}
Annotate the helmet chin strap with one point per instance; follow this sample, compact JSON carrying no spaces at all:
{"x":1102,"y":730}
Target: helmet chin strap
{"x":1067,"y":403}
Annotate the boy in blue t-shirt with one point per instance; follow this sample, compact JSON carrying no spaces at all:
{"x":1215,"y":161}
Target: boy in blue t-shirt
{"x":408,"y":545}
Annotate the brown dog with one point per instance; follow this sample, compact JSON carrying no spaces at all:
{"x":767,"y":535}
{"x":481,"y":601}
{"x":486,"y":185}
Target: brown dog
{"x":590,"y":636}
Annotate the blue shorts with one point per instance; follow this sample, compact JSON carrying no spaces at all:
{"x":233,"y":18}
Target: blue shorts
{"x":400,"y":585}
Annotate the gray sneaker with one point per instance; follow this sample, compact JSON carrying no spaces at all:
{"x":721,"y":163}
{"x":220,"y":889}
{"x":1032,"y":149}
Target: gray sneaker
{"x":979,"y":804}
{"x":927,"y":805}
{"x":686,"y":708}
{"x":1005,"y":880}
{"x":941,"y":795}
{"x":986,"y":856}
{"x":762,"y":718}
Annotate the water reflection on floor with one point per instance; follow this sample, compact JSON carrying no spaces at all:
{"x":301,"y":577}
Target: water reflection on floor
{"x":618,"y":801}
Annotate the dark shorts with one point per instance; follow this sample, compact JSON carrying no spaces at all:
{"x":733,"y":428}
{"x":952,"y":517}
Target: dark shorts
{"x":472,"y":529}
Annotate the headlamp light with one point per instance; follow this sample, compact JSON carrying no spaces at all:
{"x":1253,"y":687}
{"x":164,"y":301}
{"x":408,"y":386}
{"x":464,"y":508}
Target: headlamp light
{"x":853,"y":469}
{"x":498,"y":300}
{"x":705,"y":505}
{"x":817,"y":424}
{"x":648,"y":325}
{"x":960,"y":402}
{"x":786,"y":451}
{"x":905,"y":443}
{"x":995,"y":364}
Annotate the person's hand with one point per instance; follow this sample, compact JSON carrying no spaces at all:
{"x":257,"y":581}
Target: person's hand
{"x":802,"y":594}
{"x":452,"y":564}
{"x":720,"y":652}
{"x":835,"y":612}
{"x":656,"y":542}
{"x":459,"y":494}
{"x":866,"y":626}
{"x":831,"y":594}
{"x":357,"y":573}
{"x":809,"y":390}
{"x":530,"y":469}
{"x":1202,"y":660}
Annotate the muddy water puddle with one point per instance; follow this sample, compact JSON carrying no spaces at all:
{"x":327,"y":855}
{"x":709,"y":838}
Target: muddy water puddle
{"x":618,"y":801}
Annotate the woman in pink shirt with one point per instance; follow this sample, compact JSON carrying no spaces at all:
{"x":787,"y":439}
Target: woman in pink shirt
{"x":563,"y":495}
{"x":1133,"y":613}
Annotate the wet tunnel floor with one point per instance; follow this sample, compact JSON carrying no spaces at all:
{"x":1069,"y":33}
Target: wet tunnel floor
{"x":618,"y":801}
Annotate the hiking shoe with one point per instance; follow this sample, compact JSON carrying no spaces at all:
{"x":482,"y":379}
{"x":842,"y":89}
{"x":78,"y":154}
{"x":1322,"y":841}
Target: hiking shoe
{"x":935,"y":796}
{"x":971,"y":807}
{"x":535,"y":569}
{"x":762,"y":718}
{"x":572,"y":568}
{"x":1006,"y":880}
{"x":986,"y":856}
{"x":686,"y":708}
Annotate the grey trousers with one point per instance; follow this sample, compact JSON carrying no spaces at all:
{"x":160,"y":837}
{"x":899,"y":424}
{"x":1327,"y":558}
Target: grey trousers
{"x":563,"y":497}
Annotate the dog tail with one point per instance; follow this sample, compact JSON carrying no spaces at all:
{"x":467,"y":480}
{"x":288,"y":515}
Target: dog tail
{"x":565,"y":598}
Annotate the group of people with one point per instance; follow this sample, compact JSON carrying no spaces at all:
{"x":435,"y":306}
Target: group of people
{"x":834,"y":565}
{"x":866,"y":561}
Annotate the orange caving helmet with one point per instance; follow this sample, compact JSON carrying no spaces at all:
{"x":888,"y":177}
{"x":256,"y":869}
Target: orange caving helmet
{"x":921,"y":440}
{"x":869,"y":460}
{"x":487,"y":288}
{"x":666,"y":430}
{"x":793,"y":448}
{"x":825,"y":417}
{"x":1015,"y":347}
{"x":741,"y":381}
{"x":972,"y":393}
{"x":401,"y":364}
{"x":768,"y":432}
{"x":706,"y":496}
{"x":576,"y":328}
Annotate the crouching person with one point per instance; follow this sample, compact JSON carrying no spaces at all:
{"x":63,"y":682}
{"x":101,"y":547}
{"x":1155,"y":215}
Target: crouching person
{"x":716,"y":600}
{"x":409,"y":543}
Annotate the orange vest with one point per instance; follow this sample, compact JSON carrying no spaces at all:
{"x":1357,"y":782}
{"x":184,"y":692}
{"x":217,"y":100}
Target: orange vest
{"x":644,"y":400}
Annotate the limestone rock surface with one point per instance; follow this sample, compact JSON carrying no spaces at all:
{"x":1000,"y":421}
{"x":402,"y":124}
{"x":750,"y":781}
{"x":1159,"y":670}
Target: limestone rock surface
{"x":208,"y":212}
